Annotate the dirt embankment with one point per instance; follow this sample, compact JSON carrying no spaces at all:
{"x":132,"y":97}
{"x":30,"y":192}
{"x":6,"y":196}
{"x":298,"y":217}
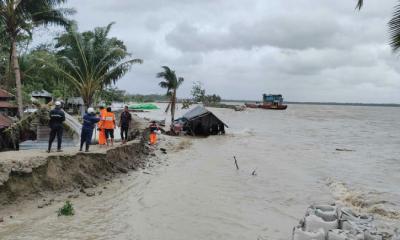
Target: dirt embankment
{"x":32,"y":173}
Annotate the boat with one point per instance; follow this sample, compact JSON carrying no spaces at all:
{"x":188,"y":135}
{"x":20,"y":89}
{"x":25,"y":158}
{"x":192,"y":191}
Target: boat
{"x":270,"y":101}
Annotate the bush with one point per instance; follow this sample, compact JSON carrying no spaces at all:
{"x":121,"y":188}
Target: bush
{"x":66,"y":210}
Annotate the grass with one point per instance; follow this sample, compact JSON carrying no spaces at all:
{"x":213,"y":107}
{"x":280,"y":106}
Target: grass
{"x":66,"y":210}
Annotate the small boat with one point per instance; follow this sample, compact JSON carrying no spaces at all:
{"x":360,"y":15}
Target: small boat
{"x":270,"y":101}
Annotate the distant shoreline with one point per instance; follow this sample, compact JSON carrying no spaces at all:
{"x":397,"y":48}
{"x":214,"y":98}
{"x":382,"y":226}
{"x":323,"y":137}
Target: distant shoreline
{"x":330,"y":103}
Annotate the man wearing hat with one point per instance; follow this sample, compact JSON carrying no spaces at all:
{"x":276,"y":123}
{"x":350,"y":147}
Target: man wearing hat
{"x":57,"y":117}
{"x":89,"y":123}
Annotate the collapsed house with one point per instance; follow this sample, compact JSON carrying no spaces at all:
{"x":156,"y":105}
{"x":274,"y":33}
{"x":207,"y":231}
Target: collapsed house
{"x":200,"y":122}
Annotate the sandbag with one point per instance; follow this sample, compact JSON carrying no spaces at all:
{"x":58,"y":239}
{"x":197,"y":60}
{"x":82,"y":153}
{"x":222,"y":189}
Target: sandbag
{"x":372,"y":236}
{"x":396,"y":235}
{"x":348,"y":214}
{"x":313,"y":223}
{"x":300,"y":234}
{"x":337,"y":234}
{"x":356,"y":226}
{"x":326,"y":212}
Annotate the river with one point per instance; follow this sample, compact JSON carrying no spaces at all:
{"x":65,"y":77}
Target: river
{"x":197,"y":193}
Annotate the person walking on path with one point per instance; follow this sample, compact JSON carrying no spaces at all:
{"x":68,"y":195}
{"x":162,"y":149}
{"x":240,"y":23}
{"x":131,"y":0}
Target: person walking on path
{"x":102,"y":133}
{"x":89,"y":123}
{"x":57,"y":117}
{"x":109,"y":126}
{"x":153,"y":132}
{"x":124,"y":124}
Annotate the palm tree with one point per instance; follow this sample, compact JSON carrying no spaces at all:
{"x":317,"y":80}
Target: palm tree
{"x":171,"y":83}
{"x":91,"y":61}
{"x":394,"y":25}
{"x":20,"y":17}
{"x":359,"y":5}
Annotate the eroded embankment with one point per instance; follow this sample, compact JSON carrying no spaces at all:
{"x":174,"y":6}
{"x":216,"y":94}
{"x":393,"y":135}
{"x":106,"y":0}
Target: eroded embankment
{"x":69,"y":171}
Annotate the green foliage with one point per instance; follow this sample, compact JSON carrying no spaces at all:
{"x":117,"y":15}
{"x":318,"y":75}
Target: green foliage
{"x":186,"y":103}
{"x":394,"y":29}
{"x":360,"y":3}
{"x":198,"y":93}
{"x":212,"y":99}
{"x":18,"y":18}
{"x":37,"y":74}
{"x":171,"y":83}
{"x":91,"y":61}
{"x":66,"y":210}
{"x":111,"y":94}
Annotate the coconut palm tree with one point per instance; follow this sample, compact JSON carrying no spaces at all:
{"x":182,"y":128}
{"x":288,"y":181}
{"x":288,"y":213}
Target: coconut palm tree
{"x":20,"y":17}
{"x":171,"y":83}
{"x":359,"y":5}
{"x":91,"y":60}
{"x":394,"y":25}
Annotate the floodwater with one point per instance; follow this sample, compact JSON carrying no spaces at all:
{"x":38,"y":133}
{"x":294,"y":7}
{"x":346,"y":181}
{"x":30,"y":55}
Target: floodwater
{"x":197,"y":193}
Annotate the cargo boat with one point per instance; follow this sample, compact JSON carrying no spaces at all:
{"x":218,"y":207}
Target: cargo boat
{"x":270,"y":101}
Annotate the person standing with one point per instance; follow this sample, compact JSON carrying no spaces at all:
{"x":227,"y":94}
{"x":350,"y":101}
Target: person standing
{"x":109,"y":126}
{"x":102,"y":134}
{"x":89,"y":123}
{"x":57,"y":117}
{"x":153,"y":132}
{"x":124,"y":124}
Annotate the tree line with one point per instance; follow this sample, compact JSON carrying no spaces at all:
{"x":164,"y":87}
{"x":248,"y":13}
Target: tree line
{"x":75,"y":63}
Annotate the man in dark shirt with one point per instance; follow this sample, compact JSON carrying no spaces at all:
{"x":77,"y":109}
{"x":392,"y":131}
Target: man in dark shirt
{"x":89,"y":123}
{"x":125,"y":123}
{"x":57,"y":117}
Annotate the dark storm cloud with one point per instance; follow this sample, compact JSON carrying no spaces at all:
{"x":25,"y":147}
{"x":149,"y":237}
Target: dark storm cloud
{"x":308,"y":50}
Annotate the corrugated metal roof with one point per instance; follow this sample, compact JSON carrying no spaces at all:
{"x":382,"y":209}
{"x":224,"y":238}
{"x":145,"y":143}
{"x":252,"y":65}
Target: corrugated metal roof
{"x":195,"y":112}
{"x":5,"y":121}
{"x":42,"y":93}
{"x":5,"y":94}
{"x":7,"y":105}
{"x":199,"y":111}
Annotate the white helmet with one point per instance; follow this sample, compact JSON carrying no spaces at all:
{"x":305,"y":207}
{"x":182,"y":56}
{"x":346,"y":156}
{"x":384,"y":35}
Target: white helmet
{"x":58,"y":103}
{"x":90,"y":110}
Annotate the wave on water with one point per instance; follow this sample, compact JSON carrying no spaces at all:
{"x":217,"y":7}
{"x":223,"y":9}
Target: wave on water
{"x":364,"y":202}
{"x":245,"y":132}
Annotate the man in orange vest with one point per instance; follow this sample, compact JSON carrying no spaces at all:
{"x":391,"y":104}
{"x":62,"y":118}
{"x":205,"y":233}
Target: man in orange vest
{"x":109,"y":126}
{"x":102,"y":134}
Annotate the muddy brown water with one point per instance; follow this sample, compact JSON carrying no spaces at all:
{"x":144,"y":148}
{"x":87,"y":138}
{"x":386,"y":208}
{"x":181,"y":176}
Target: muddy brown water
{"x":197,"y":193}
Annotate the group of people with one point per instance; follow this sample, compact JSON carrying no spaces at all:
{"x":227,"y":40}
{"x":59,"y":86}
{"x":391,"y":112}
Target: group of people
{"x":104,"y":121}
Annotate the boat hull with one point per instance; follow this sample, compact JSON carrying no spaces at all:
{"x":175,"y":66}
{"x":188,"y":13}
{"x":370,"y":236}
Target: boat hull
{"x":266,"y":106}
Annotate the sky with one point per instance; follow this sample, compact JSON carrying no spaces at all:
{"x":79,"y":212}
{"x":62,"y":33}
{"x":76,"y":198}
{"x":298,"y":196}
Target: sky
{"x":307,"y":50}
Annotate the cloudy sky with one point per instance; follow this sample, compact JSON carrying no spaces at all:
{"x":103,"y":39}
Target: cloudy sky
{"x":308,"y":50}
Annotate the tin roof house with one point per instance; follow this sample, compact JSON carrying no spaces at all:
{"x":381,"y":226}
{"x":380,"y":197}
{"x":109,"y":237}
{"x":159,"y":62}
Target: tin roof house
{"x":201,"y":122}
{"x":7,"y":107}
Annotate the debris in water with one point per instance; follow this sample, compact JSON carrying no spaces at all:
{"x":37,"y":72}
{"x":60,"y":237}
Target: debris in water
{"x":254,"y":172}
{"x":90,"y":193}
{"x":1,"y":219}
{"x":344,"y":150}
{"x":74,"y":195}
{"x":237,"y":166}
{"x":146,"y":172}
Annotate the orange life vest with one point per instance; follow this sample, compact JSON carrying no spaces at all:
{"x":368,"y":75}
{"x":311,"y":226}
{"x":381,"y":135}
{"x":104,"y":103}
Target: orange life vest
{"x":102,"y":116}
{"x":109,"y":120}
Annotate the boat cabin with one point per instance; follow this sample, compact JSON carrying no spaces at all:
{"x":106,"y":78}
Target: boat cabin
{"x":276,"y":99}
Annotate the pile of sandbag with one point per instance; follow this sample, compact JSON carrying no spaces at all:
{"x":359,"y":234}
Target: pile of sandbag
{"x":326,"y":222}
